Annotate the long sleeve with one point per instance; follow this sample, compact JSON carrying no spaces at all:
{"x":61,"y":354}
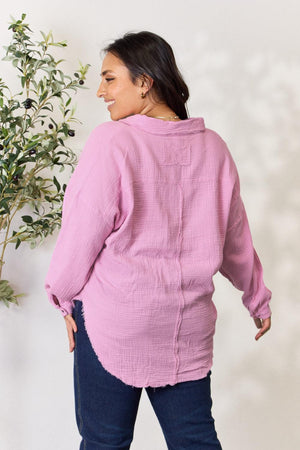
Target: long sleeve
{"x":241,"y":264}
{"x":89,"y":209}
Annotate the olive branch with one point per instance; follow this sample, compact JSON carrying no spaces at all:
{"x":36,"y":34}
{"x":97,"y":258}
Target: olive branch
{"x":32,"y":141}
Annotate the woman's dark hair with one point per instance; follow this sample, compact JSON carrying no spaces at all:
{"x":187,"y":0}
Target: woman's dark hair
{"x":147,"y":53}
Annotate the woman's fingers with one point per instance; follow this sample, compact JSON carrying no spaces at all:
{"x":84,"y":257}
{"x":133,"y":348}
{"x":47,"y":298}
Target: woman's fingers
{"x":263,"y":324}
{"x":71,"y":329}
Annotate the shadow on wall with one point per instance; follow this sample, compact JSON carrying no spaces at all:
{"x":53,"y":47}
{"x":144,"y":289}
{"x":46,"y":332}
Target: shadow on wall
{"x":253,"y":102}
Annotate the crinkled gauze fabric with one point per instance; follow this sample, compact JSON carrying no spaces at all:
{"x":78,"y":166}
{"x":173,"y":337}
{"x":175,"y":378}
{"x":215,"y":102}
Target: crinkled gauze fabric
{"x":151,"y":212}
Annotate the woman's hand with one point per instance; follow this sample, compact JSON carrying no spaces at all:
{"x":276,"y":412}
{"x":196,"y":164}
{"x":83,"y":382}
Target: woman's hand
{"x":71,"y":328}
{"x":263,"y":324}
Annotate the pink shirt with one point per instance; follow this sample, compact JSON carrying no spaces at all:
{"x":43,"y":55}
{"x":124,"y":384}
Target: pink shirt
{"x":152,"y":211}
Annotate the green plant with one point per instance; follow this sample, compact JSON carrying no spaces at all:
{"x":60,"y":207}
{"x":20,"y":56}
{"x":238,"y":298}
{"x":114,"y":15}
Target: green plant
{"x":33,"y":140}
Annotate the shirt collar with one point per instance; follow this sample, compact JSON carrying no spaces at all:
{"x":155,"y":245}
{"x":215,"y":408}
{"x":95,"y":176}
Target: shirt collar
{"x":165,"y":127}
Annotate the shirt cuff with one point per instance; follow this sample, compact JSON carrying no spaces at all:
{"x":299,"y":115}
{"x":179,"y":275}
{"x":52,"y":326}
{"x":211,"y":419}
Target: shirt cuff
{"x":65,"y":307}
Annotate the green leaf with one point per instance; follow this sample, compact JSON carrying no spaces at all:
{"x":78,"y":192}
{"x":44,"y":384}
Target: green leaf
{"x":5,"y":206}
{"x":52,"y":120}
{"x":47,"y":108}
{"x":27,"y":219}
{"x":59,"y":44}
{"x":43,"y":96}
{"x":43,"y":34}
{"x":32,"y":145}
{"x":56,"y":183}
{"x":6,"y":292}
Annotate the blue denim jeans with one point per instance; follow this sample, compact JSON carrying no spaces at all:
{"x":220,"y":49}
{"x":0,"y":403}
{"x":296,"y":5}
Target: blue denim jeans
{"x":106,"y":408}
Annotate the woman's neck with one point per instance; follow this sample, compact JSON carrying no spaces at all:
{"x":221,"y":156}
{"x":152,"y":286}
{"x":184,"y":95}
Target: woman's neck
{"x":161,"y":111}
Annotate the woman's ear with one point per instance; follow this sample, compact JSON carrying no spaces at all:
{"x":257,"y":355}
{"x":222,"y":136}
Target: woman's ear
{"x":146,"y":80}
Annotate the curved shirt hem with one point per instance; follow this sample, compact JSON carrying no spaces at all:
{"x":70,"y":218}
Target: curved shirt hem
{"x":191,"y":376}
{"x":162,"y":382}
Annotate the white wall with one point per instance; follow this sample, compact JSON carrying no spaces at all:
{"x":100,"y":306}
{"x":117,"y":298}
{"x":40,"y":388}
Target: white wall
{"x":241,"y":61}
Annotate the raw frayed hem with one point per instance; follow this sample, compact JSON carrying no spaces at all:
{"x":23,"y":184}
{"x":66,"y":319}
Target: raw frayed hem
{"x":104,"y":365}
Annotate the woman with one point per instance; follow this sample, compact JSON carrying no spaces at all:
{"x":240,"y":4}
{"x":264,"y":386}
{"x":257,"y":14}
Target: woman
{"x":152,"y":211}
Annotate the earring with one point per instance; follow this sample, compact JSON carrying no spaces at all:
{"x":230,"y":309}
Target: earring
{"x":143,"y":95}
